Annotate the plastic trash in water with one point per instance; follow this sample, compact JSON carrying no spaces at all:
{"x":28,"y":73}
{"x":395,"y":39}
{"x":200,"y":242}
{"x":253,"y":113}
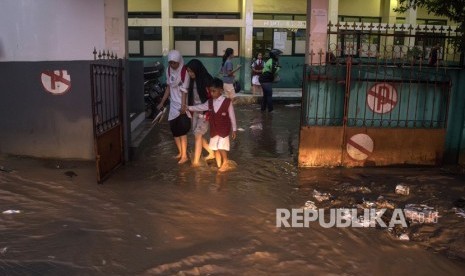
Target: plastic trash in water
{"x":240,"y":129}
{"x":321,"y":196}
{"x":257,"y":126}
{"x":421,"y":213}
{"x":402,"y":189}
{"x":404,"y":237}
{"x":310,"y":205}
{"x":382,"y":203}
{"x":360,"y":189}
{"x":9,"y":212}
{"x":368,"y":204}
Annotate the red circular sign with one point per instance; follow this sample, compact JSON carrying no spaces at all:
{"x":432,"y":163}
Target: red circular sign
{"x":56,"y":82}
{"x":382,"y":98}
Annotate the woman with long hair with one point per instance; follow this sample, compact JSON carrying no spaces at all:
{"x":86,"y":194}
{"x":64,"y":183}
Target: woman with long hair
{"x":227,"y":71}
{"x":197,"y":94}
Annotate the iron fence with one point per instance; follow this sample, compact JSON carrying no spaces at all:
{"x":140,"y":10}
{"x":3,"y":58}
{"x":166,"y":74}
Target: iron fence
{"x":399,"y":44}
{"x":380,"y":75}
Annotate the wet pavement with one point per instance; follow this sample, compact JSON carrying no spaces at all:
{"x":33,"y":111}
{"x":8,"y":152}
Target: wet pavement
{"x":154,"y":217}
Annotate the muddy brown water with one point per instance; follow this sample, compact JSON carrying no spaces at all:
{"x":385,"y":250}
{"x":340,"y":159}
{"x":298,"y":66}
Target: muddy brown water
{"x":154,"y":217}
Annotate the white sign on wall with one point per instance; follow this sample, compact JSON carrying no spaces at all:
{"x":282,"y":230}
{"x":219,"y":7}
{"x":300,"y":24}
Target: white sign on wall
{"x":280,"y":40}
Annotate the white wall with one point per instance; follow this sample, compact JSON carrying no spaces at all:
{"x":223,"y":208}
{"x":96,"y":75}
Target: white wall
{"x":48,"y":30}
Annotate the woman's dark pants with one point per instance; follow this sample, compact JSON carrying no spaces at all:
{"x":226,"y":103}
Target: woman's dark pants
{"x":267,"y":100}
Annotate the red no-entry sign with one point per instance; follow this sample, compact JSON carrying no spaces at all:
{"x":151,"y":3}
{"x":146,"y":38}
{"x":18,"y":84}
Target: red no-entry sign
{"x":360,"y":146}
{"x":56,"y":82}
{"x":382,"y":98}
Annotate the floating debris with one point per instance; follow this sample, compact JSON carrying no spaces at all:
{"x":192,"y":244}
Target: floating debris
{"x":240,"y":129}
{"x":382,"y":203}
{"x":310,"y":205}
{"x":368,"y":204}
{"x":402,"y":189}
{"x":361,"y":189}
{"x":9,"y":212}
{"x":404,"y":237}
{"x":321,"y":196}
{"x":258,"y":126}
{"x":420,"y":213}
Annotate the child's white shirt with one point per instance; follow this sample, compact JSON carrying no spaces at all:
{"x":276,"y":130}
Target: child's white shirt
{"x":216,"y":106}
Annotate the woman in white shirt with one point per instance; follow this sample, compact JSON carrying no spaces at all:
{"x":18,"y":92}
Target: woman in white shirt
{"x":198,"y":93}
{"x":176,"y":83}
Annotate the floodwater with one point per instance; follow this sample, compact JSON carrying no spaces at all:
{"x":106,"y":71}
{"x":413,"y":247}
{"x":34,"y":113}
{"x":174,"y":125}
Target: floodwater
{"x":154,"y":217}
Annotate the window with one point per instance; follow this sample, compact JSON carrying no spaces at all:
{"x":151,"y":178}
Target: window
{"x":291,"y":40}
{"x":206,"y":41}
{"x":207,"y":15}
{"x":144,"y":41}
{"x":144,"y":15}
{"x":422,"y":21}
{"x":366,"y":19}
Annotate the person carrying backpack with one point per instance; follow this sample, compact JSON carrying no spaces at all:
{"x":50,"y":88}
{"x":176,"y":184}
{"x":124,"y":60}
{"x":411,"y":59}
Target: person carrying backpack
{"x":268,"y":76}
{"x":176,"y":83}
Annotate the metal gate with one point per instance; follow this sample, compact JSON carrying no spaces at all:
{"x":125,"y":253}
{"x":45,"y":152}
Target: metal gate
{"x":107,"y":112}
{"x":375,"y":108}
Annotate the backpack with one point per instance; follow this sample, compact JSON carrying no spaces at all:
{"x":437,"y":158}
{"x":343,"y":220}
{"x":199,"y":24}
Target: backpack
{"x":270,"y":76}
{"x":257,"y":65}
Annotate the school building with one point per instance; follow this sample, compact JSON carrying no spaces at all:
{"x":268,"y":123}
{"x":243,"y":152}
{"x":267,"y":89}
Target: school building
{"x":205,"y":28}
{"x":364,"y":77}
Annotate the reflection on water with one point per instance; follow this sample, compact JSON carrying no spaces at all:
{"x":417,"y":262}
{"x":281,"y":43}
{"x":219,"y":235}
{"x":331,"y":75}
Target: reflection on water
{"x":154,"y":217}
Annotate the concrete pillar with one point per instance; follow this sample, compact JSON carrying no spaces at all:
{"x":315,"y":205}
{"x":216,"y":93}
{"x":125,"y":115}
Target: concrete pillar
{"x":116,"y":26}
{"x":389,"y":17}
{"x":317,"y":22}
{"x":247,"y":41}
{"x":333,"y":11}
{"x":411,"y":18}
{"x":166,"y":29}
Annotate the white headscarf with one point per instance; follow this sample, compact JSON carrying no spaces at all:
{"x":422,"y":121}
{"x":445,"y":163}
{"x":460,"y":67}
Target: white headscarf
{"x":175,"y":55}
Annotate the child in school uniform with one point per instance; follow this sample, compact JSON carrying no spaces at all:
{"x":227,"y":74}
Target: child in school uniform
{"x":222,"y":120}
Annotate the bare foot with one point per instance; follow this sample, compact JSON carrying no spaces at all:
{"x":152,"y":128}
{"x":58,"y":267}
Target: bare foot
{"x":210,"y":157}
{"x":177,"y":156}
{"x":195,"y":165}
{"x":183,"y":160}
{"x":224,"y":167}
